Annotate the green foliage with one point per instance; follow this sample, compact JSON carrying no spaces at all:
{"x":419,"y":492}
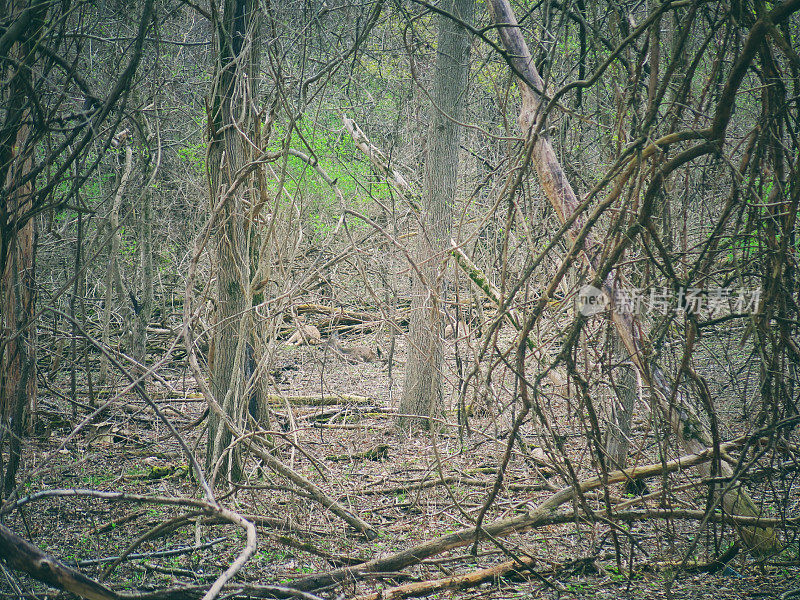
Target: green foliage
{"x":339,"y":159}
{"x":749,"y":242}
{"x":193,"y":156}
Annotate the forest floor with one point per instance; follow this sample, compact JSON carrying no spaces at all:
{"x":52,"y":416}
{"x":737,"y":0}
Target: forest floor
{"x":411,"y":488}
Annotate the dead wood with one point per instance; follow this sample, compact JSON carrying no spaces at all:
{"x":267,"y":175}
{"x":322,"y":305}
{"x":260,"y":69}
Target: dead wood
{"x":117,"y":522}
{"x":23,"y":556}
{"x":247,"y":591}
{"x":688,"y":428}
{"x":424,"y":588}
{"x":719,"y":563}
{"x":535,"y":517}
{"x":338,"y":315}
{"x":334,"y":559}
{"x":423,"y":484}
{"x":154,"y":554}
{"x":321,"y":400}
{"x":379,"y":452}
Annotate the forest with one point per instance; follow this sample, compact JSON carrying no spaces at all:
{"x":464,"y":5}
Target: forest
{"x":324,"y":299}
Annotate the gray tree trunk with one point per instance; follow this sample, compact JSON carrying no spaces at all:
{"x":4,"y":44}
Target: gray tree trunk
{"x":422,"y":391}
{"x":112,"y":271}
{"x":144,"y":311}
{"x":230,"y":113}
{"x":622,"y":407}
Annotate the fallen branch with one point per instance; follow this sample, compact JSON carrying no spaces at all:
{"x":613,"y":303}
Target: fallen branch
{"x":538,"y":516}
{"x":117,"y":522}
{"x":156,"y":554}
{"x":189,"y":592}
{"x":339,"y":314}
{"x":23,"y":556}
{"x":320,"y":400}
{"x":423,"y":484}
{"x":424,"y":588}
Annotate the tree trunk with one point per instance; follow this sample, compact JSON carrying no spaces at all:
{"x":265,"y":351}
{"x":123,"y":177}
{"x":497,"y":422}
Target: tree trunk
{"x":18,"y":333}
{"x":422,"y":391}
{"x":17,"y":247}
{"x":113,"y":258}
{"x":230,"y":114}
{"x":688,"y":429}
{"x":622,"y":407}
{"x":144,"y":310}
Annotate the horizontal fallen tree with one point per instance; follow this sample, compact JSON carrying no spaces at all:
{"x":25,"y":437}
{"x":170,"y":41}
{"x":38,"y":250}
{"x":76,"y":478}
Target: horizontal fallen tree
{"x":320,"y":400}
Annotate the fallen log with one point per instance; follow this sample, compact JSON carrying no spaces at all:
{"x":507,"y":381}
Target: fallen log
{"x":23,"y":556}
{"x":320,"y":400}
{"x":339,"y":314}
{"x":424,"y":588}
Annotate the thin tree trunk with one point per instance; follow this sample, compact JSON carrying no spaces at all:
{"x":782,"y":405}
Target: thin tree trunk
{"x":422,"y":390}
{"x":689,"y":430}
{"x":622,"y":407}
{"x":113,"y":256}
{"x":144,"y":310}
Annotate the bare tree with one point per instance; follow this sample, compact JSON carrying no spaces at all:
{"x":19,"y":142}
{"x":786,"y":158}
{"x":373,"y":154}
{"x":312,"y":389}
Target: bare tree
{"x":422,"y":391}
{"x":44,"y":143}
{"x":230,"y":119}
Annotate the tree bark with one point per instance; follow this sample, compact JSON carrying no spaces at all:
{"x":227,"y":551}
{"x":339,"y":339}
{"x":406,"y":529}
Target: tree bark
{"x":622,"y":408}
{"x":230,"y":116}
{"x":24,"y":556}
{"x":422,"y":390}
{"x":17,"y":240}
{"x":113,"y":260}
{"x":144,"y":311}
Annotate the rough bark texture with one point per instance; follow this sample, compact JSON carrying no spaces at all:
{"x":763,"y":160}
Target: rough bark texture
{"x":18,"y":337}
{"x":622,"y":409}
{"x":17,"y":241}
{"x":144,"y":310}
{"x":422,"y":390}
{"x":230,"y":115}
{"x":21,"y":555}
